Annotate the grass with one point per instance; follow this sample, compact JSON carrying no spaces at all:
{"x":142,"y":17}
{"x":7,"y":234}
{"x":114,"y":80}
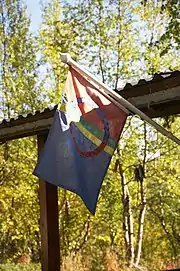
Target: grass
{"x":20,"y":267}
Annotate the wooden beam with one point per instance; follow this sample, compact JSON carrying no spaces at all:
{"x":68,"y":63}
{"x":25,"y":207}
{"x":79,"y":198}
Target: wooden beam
{"x":49,"y":220}
{"x":24,"y":129}
{"x":26,"y":125}
{"x":162,"y":110}
{"x":158,"y":98}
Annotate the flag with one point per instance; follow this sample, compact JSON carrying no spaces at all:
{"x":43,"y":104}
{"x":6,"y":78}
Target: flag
{"x":85,"y":131}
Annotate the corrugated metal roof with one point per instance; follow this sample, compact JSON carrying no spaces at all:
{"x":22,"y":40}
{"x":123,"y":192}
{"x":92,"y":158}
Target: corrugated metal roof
{"x":48,"y":112}
{"x":156,"y":78}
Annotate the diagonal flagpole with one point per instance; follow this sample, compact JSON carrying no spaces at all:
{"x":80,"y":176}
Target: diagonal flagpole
{"x":119,"y":100}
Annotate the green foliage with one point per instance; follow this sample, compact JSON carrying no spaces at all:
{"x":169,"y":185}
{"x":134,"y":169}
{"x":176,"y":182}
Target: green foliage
{"x":18,"y":73}
{"x":20,"y":267}
{"x":160,"y":38}
{"x":55,"y":36}
{"x":119,"y":41}
{"x":105,"y":36}
{"x":19,"y":231}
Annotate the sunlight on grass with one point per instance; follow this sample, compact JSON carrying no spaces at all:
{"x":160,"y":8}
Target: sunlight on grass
{"x":20,"y":267}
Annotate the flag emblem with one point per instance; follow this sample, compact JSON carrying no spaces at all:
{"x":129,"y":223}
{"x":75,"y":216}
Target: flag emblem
{"x":88,"y":132}
{"x":84,"y":134}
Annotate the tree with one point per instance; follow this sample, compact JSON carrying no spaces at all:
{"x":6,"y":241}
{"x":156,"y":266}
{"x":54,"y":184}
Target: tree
{"x":137,"y":214}
{"x":118,"y":41}
{"x":55,"y":36}
{"x":106,"y":37}
{"x":160,"y":43}
{"x":18,"y":73}
{"x":169,"y":37}
{"x":19,"y":94}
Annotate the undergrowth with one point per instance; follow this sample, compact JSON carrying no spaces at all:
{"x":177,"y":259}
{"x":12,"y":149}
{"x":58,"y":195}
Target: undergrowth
{"x":20,"y":267}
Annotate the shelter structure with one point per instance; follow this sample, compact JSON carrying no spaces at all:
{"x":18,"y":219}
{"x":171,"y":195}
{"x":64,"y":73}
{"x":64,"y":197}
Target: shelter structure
{"x":158,"y":97}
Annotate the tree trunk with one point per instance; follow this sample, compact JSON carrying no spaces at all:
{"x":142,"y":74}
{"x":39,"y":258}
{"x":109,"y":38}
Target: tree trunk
{"x":127,"y":219}
{"x":141,"y":223}
{"x":131,"y":233}
{"x":142,"y":203}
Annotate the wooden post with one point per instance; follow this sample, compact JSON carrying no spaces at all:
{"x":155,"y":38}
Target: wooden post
{"x":49,"y":224}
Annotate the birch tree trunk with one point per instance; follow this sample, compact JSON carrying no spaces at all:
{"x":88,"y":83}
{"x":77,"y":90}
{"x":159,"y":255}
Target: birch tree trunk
{"x":141,"y":223}
{"x":142,"y":203}
{"x":127,"y":219}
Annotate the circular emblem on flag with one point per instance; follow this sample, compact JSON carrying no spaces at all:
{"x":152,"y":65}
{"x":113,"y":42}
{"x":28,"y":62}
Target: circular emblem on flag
{"x":103,"y":143}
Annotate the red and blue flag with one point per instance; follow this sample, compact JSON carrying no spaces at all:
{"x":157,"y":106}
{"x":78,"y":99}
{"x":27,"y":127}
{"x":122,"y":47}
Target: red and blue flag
{"x":85,"y":132}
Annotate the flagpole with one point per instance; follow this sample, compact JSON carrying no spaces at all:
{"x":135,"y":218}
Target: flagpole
{"x":119,"y":100}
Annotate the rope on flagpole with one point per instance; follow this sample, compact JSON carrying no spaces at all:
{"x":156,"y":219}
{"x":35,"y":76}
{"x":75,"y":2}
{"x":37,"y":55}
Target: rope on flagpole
{"x":119,"y":100}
